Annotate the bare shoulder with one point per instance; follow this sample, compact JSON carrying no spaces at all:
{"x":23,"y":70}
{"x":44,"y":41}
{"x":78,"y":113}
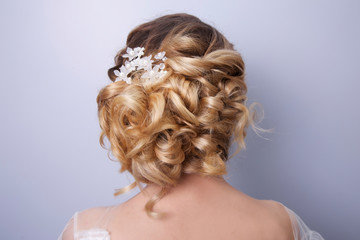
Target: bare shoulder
{"x":277,"y":219}
{"x":260,"y":219}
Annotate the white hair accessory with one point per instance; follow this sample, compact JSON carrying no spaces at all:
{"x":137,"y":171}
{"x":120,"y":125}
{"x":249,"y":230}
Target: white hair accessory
{"x":136,"y":62}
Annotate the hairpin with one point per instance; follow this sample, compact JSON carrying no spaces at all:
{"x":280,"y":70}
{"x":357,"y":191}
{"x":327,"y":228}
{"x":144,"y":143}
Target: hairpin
{"x":137,"y":62}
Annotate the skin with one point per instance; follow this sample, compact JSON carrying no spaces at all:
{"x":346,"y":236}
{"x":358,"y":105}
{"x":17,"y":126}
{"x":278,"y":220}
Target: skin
{"x":197,"y":208}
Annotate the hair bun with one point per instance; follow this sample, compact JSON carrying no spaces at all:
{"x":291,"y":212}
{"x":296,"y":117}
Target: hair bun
{"x":183,"y":123}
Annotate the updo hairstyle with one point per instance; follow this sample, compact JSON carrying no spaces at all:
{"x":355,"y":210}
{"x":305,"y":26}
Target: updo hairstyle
{"x":183,"y":123}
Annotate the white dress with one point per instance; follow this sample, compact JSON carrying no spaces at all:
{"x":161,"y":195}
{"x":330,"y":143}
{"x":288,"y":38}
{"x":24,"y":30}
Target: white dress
{"x":98,"y":231}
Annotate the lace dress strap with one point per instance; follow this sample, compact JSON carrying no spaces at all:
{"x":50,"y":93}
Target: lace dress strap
{"x":69,"y":229}
{"x":75,"y":222}
{"x":300,"y":230}
{"x":94,"y":229}
{"x":105,"y":219}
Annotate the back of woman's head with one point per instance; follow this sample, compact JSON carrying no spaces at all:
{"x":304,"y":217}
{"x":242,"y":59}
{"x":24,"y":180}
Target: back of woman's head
{"x":184,"y":122}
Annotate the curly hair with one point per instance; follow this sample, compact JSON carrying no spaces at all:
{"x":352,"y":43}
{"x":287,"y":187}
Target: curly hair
{"x":183,"y":123}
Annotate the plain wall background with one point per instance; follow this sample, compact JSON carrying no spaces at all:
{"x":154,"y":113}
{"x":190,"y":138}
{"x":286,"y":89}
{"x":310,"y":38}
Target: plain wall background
{"x":302,"y":62}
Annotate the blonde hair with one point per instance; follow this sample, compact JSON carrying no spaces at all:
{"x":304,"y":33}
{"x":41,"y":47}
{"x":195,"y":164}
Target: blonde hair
{"x":183,"y":123}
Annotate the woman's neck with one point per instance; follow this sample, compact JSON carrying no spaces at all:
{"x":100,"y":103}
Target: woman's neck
{"x":192,"y":191}
{"x":192,"y":183}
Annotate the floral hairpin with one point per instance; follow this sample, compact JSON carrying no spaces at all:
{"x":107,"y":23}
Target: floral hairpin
{"x":136,"y":62}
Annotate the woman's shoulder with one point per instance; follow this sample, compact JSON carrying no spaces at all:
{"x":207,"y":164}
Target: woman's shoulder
{"x":288,"y":219}
{"x":272,"y":218}
{"x":91,"y":221}
{"x":94,"y":217}
{"x":276,"y":211}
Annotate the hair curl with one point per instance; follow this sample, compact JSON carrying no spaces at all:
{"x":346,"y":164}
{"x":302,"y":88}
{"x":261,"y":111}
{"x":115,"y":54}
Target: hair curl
{"x":183,"y":123}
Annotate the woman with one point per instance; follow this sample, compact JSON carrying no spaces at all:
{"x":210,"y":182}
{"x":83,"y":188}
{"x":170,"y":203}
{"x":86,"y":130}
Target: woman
{"x":176,"y":103}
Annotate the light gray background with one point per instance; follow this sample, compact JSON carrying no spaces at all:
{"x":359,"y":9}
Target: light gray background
{"x":302,"y":60}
